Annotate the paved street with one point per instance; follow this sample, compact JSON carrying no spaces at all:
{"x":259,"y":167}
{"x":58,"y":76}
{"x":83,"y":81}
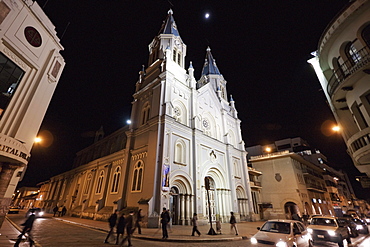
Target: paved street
{"x":71,"y":232}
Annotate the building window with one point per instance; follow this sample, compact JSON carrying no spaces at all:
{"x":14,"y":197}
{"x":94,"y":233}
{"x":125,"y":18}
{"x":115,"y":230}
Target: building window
{"x":352,"y":54}
{"x":360,"y":119}
{"x":145,"y":113}
{"x":87,"y":184}
{"x":180,"y":153}
{"x":365,"y":34}
{"x":116,"y":178}
{"x":179,"y":58}
{"x":137,"y":176}
{"x":99,"y":185}
{"x":10,"y":76}
{"x":174,"y":55}
{"x":237,"y":170}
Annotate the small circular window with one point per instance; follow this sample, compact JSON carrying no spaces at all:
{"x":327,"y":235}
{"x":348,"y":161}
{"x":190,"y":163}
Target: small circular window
{"x":33,"y":36}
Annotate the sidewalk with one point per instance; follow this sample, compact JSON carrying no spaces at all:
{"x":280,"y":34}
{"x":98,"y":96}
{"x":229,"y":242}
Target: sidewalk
{"x":177,"y":233}
{"x":9,"y":231}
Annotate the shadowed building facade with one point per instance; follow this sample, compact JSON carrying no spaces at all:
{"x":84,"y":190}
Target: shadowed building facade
{"x":342,"y":65}
{"x":30,"y":68}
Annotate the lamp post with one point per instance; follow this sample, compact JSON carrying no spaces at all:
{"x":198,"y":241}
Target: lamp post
{"x":211,"y":230}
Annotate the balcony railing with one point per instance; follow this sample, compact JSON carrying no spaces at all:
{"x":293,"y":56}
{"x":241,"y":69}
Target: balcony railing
{"x":359,"y":60}
{"x":315,"y":187}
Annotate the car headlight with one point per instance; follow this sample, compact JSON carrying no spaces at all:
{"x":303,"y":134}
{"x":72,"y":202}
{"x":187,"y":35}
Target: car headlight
{"x":331,"y":233}
{"x":41,"y":213}
{"x":253,"y":240}
{"x":309,"y":230}
{"x":359,"y":227}
{"x":281,"y":244}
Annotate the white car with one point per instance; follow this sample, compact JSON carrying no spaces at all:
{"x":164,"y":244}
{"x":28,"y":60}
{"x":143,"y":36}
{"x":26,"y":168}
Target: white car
{"x":281,"y":233}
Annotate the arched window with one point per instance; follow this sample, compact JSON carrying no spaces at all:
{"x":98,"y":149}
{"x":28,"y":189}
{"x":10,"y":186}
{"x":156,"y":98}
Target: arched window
{"x":137,"y":177}
{"x":145,"y":113}
{"x":180,"y":152}
{"x":116,"y":178}
{"x":87,"y":184}
{"x":352,"y":55}
{"x":99,"y":184}
{"x":338,"y":71}
{"x":365,"y":34}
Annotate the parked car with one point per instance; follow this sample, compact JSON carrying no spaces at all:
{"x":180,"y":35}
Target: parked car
{"x":328,"y":229}
{"x":353,"y":232}
{"x":281,"y":233}
{"x":13,"y":210}
{"x":36,"y":211}
{"x":361,"y":226}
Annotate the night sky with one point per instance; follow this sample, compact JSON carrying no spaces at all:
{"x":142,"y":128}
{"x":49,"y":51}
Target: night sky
{"x":261,"y":48}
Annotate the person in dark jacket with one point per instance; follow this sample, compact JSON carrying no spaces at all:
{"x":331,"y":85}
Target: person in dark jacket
{"x":130,"y":228}
{"x":121,"y":227}
{"x":233,"y":223}
{"x":55,"y":210}
{"x":26,"y":229}
{"x":64,"y":211}
{"x":112,"y":223}
{"x":165,"y":218}
{"x":139,"y":217}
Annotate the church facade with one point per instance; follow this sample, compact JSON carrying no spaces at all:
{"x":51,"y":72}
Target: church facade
{"x":183,"y":132}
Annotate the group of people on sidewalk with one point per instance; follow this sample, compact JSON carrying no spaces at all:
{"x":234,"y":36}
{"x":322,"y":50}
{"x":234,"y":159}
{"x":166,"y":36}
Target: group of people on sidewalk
{"x":61,"y":211}
{"x":129,"y":222}
{"x":132,"y":221}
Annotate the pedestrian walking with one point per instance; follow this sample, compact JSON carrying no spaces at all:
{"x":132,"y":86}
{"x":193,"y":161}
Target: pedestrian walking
{"x":64,"y":211}
{"x":26,"y":230}
{"x":194,"y":223}
{"x":233,"y":223}
{"x":121,"y":227}
{"x":218,"y":226}
{"x":139,"y":217}
{"x":55,"y":210}
{"x":112,"y":220}
{"x":60,"y":209}
{"x":130,"y":228}
{"x":165,"y":218}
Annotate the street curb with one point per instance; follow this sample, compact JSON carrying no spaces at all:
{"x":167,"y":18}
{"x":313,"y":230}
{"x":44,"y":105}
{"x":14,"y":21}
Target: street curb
{"x":159,"y":239}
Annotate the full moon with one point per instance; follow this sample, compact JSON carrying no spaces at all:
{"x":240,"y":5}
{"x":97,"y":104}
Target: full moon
{"x":206,"y":15}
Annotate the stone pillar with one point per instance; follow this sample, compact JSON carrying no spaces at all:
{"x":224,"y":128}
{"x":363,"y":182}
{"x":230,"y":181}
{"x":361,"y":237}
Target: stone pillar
{"x":188,"y":215}
{"x":6,"y":174}
{"x":182,"y":208}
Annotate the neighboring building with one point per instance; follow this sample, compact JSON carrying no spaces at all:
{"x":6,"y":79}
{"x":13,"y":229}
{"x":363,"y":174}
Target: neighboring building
{"x":182,"y":132}
{"x":30,"y":68}
{"x":310,"y":186}
{"x":342,"y":65}
{"x":25,"y":197}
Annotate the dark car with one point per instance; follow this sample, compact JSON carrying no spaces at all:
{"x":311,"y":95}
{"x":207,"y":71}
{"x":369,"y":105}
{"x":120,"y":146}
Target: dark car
{"x":36,"y":211}
{"x":13,"y":210}
{"x":353,"y":232}
{"x":361,"y":226}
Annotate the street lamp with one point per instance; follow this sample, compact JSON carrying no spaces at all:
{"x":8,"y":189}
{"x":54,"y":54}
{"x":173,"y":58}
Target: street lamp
{"x":336,"y":128}
{"x":38,"y":139}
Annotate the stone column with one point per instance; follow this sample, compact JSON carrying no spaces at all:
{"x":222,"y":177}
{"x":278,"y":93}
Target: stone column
{"x":187,"y":211}
{"x":6,"y":174}
{"x":182,"y":208}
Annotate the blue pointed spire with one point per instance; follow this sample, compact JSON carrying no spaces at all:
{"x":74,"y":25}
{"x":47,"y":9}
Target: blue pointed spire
{"x":169,"y":25}
{"x":210,"y":67}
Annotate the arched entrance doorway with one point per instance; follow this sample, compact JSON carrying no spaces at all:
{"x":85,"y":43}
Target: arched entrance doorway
{"x":290,"y":208}
{"x":174,"y":205}
{"x":181,"y":201}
